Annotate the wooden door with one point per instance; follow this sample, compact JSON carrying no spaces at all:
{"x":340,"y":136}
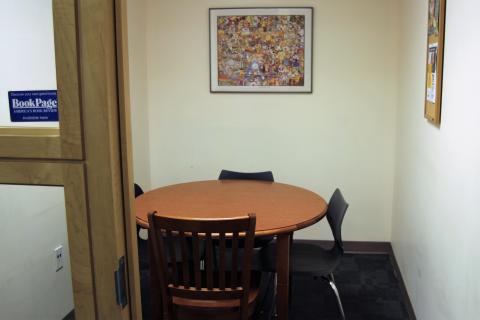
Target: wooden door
{"x":87,"y":154}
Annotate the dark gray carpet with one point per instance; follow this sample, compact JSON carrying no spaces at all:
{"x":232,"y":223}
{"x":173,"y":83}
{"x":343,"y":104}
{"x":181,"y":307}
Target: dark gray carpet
{"x":367,"y":285}
{"x":368,"y":288}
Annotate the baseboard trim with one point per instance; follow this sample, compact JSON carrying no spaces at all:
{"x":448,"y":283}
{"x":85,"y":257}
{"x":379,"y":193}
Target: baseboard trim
{"x":373,"y":247}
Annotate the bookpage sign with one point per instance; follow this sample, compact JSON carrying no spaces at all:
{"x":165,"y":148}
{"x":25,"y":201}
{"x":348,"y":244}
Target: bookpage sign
{"x":33,"y":106}
{"x":436,"y":35}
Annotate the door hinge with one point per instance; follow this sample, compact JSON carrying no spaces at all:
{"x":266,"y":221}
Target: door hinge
{"x":120,"y":283}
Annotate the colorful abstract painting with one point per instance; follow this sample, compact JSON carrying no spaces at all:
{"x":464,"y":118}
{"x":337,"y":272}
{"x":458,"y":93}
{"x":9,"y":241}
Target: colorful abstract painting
{"x":261,"y":52}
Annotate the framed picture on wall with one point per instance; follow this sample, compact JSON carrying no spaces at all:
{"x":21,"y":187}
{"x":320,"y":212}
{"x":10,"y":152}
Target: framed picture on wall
{"x":261,"y":49}
{"x":436,"y":36}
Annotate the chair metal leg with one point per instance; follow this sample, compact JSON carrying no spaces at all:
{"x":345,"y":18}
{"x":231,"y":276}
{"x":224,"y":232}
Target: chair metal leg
{"x":331,"y":281}
{"x":275,"y":314}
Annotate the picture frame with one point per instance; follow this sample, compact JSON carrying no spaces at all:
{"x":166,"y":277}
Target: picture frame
{"x":261,"y":50}
{"x":434,"y":63}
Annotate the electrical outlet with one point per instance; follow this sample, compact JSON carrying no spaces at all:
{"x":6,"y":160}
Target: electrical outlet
{"x":59,"y":257}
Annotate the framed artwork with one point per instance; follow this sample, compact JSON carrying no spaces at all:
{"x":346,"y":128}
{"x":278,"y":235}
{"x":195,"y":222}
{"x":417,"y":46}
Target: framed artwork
{"x":436,"y":36}
{"x":261,"y":50}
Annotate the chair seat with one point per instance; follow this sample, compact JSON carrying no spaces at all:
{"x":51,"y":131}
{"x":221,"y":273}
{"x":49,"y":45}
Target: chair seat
{"x":256,"y":262}
{"x":216,"y":304}
{"x":261,"y":242}
{"x":306,"y":258}
{"x":193,"y":309}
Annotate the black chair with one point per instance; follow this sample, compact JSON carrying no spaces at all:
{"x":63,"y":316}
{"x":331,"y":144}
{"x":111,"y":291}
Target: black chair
{"x":260,"y":176}
{"x":312,"y":259}
{"x":233,"y":175}
{"x":142,"y":245}
{"x":138,"y":190}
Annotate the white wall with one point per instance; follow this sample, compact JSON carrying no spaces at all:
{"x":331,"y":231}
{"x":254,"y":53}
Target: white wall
{"x":341,"y":135}
{"x":27,"y":57}
{"x":33,"y":225}
{"x":436,"y":218}
{"x":138,"y":91}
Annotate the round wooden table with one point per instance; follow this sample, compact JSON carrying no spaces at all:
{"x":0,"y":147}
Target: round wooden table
{"x":280,"y":209}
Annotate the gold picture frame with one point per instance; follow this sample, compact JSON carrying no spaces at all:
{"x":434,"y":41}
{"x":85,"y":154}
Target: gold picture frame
{"x":434,"y":72}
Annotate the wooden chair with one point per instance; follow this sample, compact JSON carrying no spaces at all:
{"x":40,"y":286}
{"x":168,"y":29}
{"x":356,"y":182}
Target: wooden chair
{"x":190,"y":291}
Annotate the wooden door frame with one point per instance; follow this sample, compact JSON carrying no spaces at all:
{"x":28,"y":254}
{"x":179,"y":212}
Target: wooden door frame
{"x":90,"y":153}
{"x":71,"y":177}
{"x":123,"y":77}
{"x":64,"y":142}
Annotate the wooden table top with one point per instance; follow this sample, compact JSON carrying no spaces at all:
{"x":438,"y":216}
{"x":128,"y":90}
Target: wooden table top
{"x":279,"y":207}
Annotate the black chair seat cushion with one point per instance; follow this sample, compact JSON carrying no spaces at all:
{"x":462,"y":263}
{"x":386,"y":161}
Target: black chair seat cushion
{"x":257,"y":264}
{"x":261,"y":242}
{"x":305,"y":258}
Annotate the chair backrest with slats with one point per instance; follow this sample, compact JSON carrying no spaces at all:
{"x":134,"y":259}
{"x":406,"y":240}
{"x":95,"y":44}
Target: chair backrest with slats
{"x":337,"y":207}
{"x":186,"y":277}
